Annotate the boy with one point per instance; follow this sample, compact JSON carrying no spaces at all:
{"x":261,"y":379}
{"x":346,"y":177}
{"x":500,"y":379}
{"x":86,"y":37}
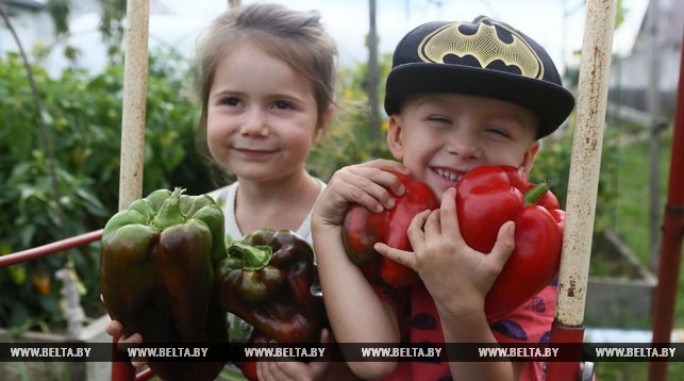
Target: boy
{"x":459,"y":95}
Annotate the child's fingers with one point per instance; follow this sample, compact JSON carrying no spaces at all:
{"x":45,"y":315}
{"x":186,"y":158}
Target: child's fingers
{"x":366,"y":193}
{"x":406,"y":258}
{"x":433,"y":227}
{"x":367,"y":186}
{"x":318,"y":369}
{"x":415,"y":232}
{"x":114,"y":328}
{"x":326,"y":337}
{"x":138,"y":364}
{"x":505,"y":243}
{"x":128,"y":341}
{"x":449,"y":215}
{"x":379,"y":175}
{"x":135,"y":338}
{"x":388,"y":165}
{"x":416,"y":237}
{"x":290,"y":370}
{"x":271,"y":371}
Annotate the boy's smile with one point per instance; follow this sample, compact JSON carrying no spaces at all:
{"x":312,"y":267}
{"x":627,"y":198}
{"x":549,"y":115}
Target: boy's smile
{"x":448,"y":177}
{"x":441,"y":136}
{"x":448,"y":174}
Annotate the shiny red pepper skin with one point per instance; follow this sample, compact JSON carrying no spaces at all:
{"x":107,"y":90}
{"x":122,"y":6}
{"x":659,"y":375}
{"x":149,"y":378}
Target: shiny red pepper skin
{"x":363,"y":228}
{"x":488,"y":196}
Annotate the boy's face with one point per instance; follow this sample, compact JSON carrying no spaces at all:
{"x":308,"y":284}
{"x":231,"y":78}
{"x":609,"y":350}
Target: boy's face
{"x":441,"y":136}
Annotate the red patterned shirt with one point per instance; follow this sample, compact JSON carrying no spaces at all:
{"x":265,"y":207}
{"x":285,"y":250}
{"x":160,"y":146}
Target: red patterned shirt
{"x":419,"y":323}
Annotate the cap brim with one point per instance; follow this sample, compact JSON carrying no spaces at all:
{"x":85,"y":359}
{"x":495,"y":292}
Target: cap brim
{"x":551,"y":102}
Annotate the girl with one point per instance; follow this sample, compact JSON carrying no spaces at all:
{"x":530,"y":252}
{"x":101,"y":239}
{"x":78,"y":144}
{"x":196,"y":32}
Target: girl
{"x":267,"y":92}
{"x":267,"y":77}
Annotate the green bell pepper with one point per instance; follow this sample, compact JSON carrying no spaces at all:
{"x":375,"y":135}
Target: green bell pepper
{"x":158,"y":261}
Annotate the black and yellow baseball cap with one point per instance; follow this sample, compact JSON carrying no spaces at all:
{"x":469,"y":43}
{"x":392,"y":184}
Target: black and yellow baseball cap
{"x":484,"y":57}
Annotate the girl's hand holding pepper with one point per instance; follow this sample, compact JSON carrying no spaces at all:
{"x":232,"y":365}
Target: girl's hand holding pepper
{"x":457,"y":276}
{"x":375,"y":187}
{"x":115,"y":329}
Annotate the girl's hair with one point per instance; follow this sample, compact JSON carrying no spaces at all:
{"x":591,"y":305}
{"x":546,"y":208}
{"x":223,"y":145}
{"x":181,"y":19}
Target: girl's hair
{"x":297,"y":38}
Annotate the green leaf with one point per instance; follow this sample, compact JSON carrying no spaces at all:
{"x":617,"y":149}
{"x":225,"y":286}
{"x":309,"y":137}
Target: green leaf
{"x":17,"y":273}
{"x":26,"y":233}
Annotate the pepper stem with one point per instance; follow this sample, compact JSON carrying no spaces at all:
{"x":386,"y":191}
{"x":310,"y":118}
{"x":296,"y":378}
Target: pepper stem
{"x":253,"y":257}
{"x":533,"y":195}
{"x":170,"y":212}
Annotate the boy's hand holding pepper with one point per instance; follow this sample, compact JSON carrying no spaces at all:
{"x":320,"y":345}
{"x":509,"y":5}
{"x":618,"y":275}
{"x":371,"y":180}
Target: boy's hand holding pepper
{"x":488,"y":198}
{"x":457,"y":276}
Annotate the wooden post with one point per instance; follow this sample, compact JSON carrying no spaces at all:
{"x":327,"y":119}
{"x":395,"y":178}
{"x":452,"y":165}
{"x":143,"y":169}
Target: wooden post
{"x":133,"y":125}
{"x":134,"y":102}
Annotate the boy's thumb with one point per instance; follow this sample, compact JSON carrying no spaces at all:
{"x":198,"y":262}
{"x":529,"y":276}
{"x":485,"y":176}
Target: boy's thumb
{"x":505,"y":241}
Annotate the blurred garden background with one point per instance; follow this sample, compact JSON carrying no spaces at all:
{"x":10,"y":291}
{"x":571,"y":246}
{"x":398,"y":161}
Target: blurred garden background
{"x":60,"y":144}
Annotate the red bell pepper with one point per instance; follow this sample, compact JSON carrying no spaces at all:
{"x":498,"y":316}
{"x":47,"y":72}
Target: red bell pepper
{"x":363,"y":228}
{"x":488,"y":196}
{"x":266,"y":279}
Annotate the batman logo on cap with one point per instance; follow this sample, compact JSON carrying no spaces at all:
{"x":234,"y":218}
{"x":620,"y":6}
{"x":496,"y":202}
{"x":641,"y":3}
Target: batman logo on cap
{"x":484,"y":45}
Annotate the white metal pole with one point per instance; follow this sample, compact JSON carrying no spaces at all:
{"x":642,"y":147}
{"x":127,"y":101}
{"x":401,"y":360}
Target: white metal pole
{"x":585,"y":163}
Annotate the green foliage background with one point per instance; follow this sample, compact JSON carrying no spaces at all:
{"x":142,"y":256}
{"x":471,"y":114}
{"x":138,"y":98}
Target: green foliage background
{"x":84,"y":118}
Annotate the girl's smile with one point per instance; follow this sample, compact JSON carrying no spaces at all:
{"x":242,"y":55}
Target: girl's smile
{"x":256,"y":155}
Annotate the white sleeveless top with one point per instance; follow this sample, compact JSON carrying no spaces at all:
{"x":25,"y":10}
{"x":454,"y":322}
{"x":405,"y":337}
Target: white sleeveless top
{"x":225,"y":197}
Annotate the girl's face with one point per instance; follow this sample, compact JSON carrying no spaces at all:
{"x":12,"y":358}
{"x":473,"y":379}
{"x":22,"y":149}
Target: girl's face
{"x":441,"y":136}
{"x":262,"y":116}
